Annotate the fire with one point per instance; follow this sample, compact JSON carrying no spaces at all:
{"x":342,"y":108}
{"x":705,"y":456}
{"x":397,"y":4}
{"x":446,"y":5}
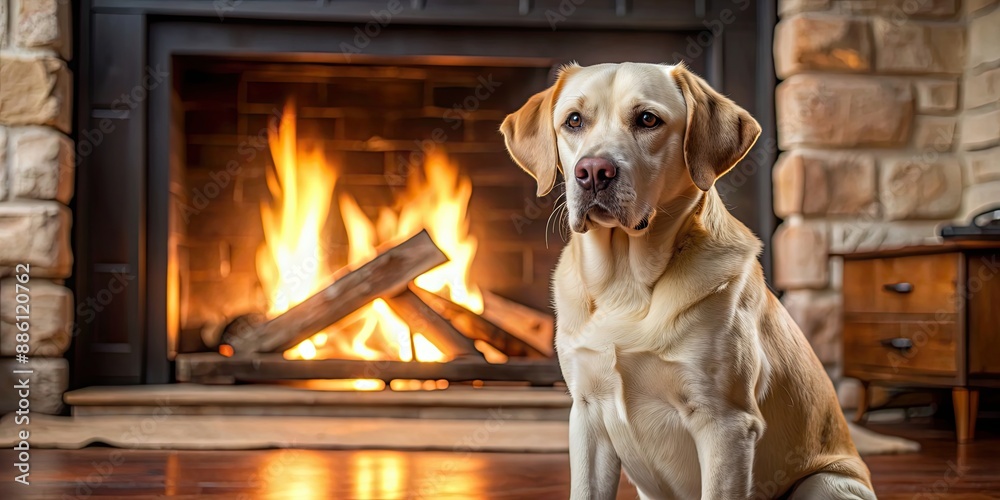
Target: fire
{"x":292,"y":265}
{"x":439,"y":204}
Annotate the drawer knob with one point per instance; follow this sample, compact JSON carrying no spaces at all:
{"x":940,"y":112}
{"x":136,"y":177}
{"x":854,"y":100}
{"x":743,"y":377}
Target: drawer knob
{"x":901,"y":343}
{"x":903,"y":287}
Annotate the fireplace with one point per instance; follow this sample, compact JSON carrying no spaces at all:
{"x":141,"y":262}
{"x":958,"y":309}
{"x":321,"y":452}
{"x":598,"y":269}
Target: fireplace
{"x":258,"y":131}
{"x":429,"y":156}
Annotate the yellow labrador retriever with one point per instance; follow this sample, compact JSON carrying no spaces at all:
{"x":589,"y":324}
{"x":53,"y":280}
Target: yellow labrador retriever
{"x":684,"y":369}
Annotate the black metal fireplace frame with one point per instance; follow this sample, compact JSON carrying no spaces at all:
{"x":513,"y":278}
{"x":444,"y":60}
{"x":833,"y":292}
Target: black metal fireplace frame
{"x":122,"y":41}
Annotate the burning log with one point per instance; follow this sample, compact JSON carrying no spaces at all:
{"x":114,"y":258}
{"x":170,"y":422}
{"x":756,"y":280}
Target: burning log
{"x":530,"y":325}
{"x":476,"y":327}
{"x":420,"y":317}
{"x":383,"y":276}
{"x":211,"y":368}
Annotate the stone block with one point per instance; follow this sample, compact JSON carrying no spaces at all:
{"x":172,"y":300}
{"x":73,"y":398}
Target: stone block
{"x":813,"y":183}
{"x":843,"y":111}
{"x":836,"y":273}
{"x":3,"y":23}
{"x":3,"y":161}
{"x":37,"y":90}
{"x":36,"y":233}
{"x":982,"y":88}
{"x":974,"y":6}
{"x":978,"y":198}
{"x":983,"y":165}
{"x":903,"y":10}
{"x":854,"y":6}
{"x":788,"y":7}
{"x":934,"y":133}
{"x":911,"y":188}
{"x":43,"y":24}
{"x":41,"y":166}
{"x":914,"y":47}
{"x":936,"y":96}
{"x":819,"y":42}
{"x":863,"y":236}
{"x":50,"y":317}
{"x":818,"y":314}
{"x":800,"y":255}
{"x":46,"y":384}
{"x":899,"y":11}
{"x":980,"y":129}
{"x":984,"y":38}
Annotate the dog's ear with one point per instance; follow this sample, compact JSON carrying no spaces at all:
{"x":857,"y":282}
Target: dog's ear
{"x":719,"y":133}
{"x":531,"y":137}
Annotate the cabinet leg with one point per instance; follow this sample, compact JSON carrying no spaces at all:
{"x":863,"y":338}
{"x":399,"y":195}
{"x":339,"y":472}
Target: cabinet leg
{"x":966,"y":402}
{"x":862,"y":403}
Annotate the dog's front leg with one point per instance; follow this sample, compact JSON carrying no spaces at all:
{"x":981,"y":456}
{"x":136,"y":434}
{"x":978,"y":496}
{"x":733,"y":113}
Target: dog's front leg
{"x":726,"y":446}
{"x":594,"y":465}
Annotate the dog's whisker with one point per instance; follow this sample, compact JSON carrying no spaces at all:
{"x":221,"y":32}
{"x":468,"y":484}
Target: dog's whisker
{"x":563,"y":222}
{"x":549,"y":220}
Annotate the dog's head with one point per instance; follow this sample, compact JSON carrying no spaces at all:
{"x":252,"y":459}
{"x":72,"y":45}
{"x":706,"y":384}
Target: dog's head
{"x":628,"y":138}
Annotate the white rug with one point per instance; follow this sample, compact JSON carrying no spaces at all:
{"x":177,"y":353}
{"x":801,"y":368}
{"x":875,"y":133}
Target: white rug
{"x":197,"y":432}
{"x":872,"y":443}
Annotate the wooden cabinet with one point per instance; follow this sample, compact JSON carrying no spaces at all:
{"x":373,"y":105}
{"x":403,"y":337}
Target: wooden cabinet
{"x":925,"y":316}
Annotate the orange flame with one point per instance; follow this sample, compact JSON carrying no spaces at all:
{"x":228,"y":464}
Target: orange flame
{"x":292,"y":266}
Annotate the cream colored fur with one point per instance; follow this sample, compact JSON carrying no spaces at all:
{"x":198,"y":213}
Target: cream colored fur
{"x":685,"y":371}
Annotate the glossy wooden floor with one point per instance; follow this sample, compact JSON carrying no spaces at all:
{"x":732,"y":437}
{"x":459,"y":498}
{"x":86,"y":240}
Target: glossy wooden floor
{"x":941,"y":471}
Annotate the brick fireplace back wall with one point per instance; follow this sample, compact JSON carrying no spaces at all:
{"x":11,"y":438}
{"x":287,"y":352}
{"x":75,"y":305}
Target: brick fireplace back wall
{"x":374,"y":122}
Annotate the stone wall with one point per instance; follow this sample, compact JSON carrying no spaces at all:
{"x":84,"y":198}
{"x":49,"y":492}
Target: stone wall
{"x":36,"y":184}
{"x":889,"y":124}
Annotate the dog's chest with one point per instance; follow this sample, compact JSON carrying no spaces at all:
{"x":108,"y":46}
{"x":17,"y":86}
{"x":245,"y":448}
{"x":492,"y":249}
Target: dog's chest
{"x":638,"y":399}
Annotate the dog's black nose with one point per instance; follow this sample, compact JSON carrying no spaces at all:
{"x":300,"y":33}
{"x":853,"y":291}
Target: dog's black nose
{"x":595,"y":173}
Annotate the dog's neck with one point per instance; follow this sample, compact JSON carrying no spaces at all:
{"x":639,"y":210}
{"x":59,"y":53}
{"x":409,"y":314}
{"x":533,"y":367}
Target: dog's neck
{"x":609,"y":255}
{"x":609,"y":259}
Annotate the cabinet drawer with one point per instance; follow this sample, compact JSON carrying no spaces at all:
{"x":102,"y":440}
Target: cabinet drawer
{"x":883,"y":346}
{"x":916,"y":284}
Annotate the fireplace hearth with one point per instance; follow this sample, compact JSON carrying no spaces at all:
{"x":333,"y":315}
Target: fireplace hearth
{"x":415,"y":110}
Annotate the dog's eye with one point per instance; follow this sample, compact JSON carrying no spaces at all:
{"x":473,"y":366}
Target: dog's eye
{"x":648,"y":120}
{"x":574,"y":120}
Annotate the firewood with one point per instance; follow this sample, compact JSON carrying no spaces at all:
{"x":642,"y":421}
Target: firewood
{"x":211,"y":368}
{"x":239,"y":326}
{"x":530,"y":325}
{"x":421,"y":318}
{"x":384,"y":276}
{"x":477,"y":327}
